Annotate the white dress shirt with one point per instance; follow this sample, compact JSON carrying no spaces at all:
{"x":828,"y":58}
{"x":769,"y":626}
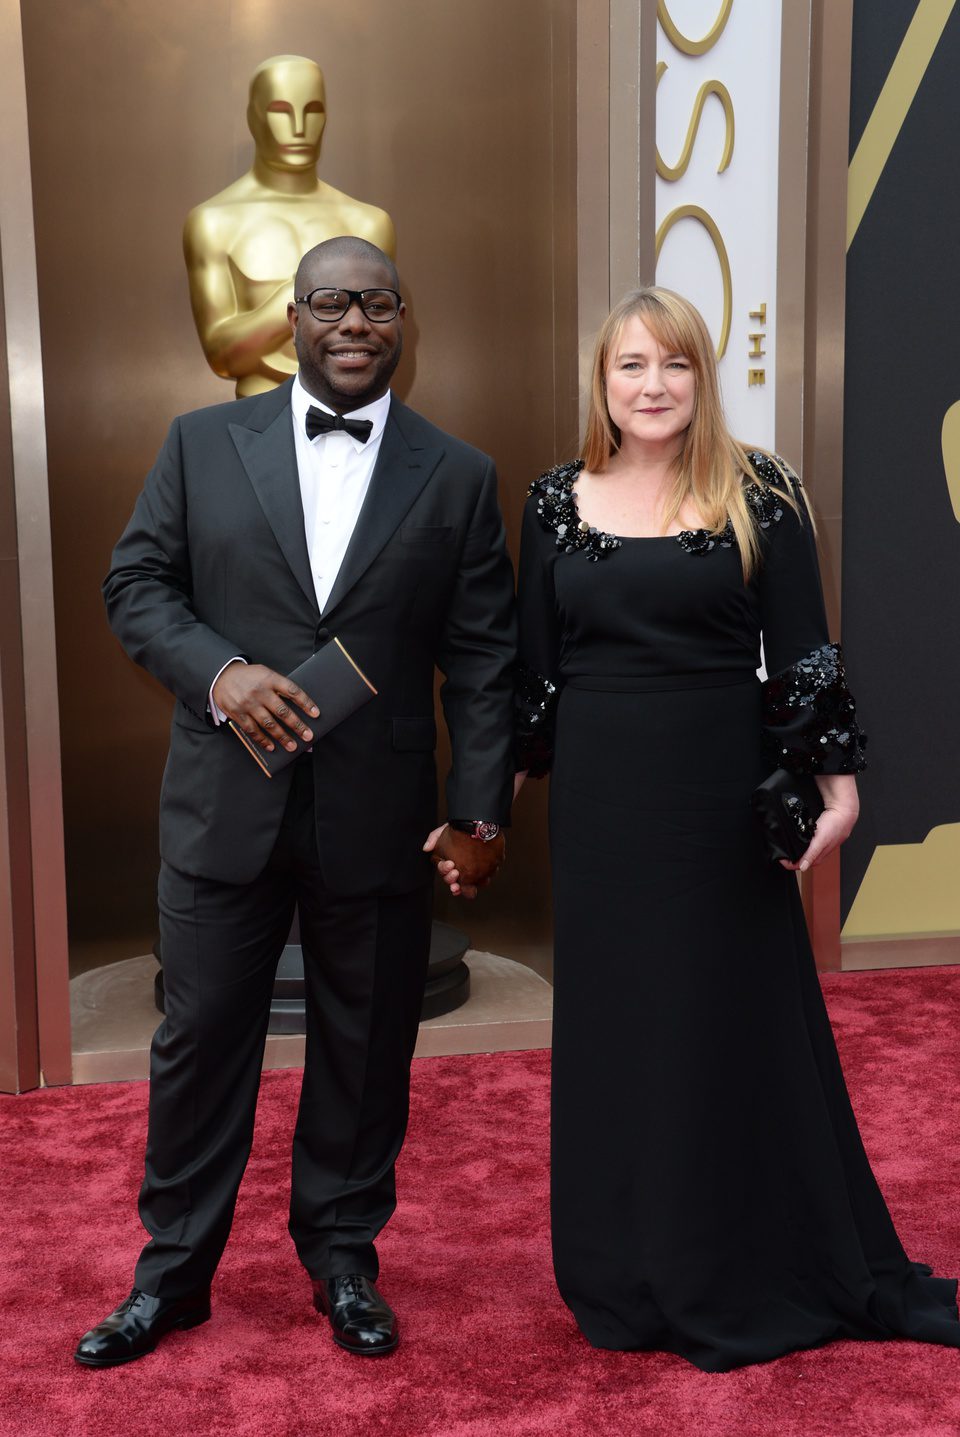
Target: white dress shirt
{"x":334,"y":472}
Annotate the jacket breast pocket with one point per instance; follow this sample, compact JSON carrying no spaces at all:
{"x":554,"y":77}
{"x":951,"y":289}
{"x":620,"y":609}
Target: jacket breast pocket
{"x":414,"y":735}
{"x":427,"y":534}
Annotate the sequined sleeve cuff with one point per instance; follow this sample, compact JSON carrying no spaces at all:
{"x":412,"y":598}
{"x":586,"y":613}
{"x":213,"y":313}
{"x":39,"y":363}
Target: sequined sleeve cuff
{"x":536,"y":699}
{"x":809,"y":716}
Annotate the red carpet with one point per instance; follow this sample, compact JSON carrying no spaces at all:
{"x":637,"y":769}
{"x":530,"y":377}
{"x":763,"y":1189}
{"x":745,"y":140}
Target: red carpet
{"x":488,"y":1347}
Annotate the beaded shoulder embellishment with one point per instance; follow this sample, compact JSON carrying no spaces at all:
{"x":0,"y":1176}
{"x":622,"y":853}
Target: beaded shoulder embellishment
{"x":557,"y":508}
{"x":764,"y":504}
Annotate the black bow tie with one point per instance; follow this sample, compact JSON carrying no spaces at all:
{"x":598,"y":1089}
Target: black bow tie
{"x":320,"y":422}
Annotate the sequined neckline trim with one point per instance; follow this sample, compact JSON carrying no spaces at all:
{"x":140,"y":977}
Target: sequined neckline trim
{"x":557,"y":509}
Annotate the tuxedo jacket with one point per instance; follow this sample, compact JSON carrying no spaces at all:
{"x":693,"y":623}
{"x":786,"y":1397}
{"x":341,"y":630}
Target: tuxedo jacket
{"x":214,"y":564}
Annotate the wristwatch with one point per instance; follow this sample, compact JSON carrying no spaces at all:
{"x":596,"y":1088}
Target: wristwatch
{"x":475,"y":828}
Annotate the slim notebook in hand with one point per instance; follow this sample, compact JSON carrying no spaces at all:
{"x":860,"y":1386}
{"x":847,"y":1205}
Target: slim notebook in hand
{"x":337,"y":686}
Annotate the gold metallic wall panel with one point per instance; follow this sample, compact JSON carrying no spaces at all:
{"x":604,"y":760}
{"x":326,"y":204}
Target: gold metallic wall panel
{"x":633,"y":121}
{"x":593,"y":182}
{"x":824,"y":293}
{"x":19,"y":1048}
{"x":136,"y":115}
{"x":19,"y":1051}
{"x":31,"y":868}
{"x":814,"y":122}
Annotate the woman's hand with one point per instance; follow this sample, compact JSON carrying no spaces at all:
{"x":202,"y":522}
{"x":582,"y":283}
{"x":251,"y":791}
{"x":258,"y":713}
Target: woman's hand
{"x":518,"y":782}
{"x":836,"y":822}
{"x":465,"y":864}
{"x":446,"y":868}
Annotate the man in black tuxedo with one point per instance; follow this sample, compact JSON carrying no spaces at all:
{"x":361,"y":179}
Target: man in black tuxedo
{"x":266,"y":527}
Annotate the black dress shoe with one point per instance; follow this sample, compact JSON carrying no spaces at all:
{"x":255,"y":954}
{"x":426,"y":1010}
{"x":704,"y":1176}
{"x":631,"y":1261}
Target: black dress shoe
{"x":362,"y":1321}
{"x":137,"y":1325}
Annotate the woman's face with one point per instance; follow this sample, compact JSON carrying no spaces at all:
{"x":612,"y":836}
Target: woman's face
{"x":650,"y":392}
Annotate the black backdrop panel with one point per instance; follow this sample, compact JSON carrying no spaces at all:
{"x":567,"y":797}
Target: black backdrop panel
{"x":901,"y":550}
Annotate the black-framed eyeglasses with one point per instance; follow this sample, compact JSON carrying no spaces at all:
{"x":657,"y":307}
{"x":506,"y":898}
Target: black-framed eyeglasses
{"x":329,"y":305}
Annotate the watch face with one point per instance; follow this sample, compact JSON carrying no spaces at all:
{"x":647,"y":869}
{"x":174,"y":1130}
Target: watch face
{"x":486,"y":831}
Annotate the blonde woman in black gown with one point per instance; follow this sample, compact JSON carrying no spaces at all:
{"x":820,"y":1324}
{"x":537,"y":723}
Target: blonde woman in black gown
{"x":711,"y":1195}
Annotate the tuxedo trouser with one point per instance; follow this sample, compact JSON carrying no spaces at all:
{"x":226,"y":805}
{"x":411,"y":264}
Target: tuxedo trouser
{"x":365,"y":963}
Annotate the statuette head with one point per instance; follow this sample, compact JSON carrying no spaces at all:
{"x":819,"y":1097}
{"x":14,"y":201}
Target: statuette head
{"x":287,"y":112}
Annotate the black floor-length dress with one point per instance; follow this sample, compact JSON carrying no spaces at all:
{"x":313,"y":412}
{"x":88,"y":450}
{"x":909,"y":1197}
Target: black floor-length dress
{"x":711,"y":1195}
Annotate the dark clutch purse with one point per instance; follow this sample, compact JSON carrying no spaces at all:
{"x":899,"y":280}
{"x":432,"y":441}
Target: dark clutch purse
{"x":787,"y":806}
{"x":335,"y":681}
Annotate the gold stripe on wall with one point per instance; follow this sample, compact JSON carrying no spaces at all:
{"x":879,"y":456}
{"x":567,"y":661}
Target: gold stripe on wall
{"x":893,"y":104}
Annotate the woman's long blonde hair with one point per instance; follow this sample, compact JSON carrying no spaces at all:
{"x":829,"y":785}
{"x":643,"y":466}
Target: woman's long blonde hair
{"x":711,"y":466}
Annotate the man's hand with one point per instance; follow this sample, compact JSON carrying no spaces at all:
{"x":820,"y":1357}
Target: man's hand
{"x":465,"y":864}
{"x":258,"y":700}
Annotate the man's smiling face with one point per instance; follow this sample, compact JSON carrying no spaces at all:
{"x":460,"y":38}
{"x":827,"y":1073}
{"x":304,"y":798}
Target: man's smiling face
{"x":346,"y":362}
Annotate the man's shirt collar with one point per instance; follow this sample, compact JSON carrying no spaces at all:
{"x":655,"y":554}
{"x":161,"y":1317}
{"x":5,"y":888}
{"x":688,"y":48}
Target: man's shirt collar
{"x":376,"y":411}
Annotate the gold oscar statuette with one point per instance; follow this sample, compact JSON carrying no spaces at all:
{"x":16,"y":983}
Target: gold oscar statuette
{"x":242,"y":246}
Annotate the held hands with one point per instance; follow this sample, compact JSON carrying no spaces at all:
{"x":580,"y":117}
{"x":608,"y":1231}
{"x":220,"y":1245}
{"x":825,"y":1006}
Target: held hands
{"x":465,"y":864}
{"x":836,"y":822}
{"x":258,"y":700}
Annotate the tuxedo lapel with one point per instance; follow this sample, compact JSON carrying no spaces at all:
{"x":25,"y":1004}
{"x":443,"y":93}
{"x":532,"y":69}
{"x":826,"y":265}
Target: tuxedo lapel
{"x":267,"y":451}
{"x":403,"y":467}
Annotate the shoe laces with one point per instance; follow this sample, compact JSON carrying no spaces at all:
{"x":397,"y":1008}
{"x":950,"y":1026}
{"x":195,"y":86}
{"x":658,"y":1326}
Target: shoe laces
{"x":134,"y":1300}
{"x":352,"y":1284}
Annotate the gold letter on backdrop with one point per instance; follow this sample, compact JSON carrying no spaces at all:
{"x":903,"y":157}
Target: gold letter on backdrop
{"x":694,"y":212}
{"x":950,"y":444}
{"x":710,"y":87}
{"x":682,"y":42}
{"x":242,"y":246}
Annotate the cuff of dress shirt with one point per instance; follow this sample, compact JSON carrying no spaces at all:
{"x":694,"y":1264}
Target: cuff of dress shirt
{"x":216,"y":712}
